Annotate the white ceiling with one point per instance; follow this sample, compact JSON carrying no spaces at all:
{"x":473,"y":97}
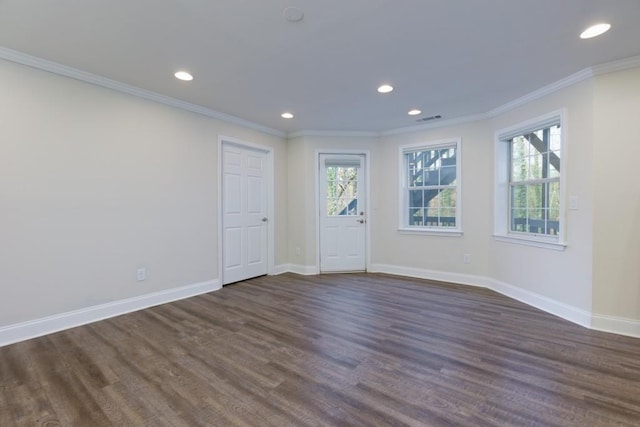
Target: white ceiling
{"x":450,"y":57}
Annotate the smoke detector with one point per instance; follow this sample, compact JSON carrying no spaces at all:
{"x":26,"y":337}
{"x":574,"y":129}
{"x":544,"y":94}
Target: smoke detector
{"x":293,"y":14}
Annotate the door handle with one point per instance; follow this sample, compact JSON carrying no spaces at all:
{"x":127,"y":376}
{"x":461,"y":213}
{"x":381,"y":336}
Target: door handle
{"x":361,"y":220}
{"x":264,"y":219}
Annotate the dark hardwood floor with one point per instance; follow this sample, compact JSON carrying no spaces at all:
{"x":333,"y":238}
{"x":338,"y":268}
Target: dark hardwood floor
{"x":356,"y":349}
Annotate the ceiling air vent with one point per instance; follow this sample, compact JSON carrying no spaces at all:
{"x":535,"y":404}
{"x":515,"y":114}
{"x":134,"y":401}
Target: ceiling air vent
{"x":428,"y":119}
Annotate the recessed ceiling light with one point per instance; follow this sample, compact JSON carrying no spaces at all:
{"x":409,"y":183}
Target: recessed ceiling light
{"x":286,"y":115}
{"x":414,"y":112}
{"x":183,"y":75}
{"x":385,"y":88}
{"x":595,"y":30}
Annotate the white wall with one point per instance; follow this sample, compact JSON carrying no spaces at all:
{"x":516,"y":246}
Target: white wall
{"x":95,"y":183}
{"x":564,"y":277}
{"x":616,"y":257}
{"x":557,"y":281}
{"x":427,"y":252}
{"x":302,"y":191}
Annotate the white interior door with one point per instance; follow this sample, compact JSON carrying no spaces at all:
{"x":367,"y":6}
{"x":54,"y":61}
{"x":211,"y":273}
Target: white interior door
{"x":342,"y":212}
{"x":244,"y":213}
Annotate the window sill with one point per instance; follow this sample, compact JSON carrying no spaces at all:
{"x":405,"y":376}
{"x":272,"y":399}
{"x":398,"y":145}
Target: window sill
{"x":531,"y":241}
{"x":430,"y":232}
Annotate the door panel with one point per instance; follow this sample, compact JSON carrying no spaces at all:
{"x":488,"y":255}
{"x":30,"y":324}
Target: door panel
{"x":342,"y":216}
{"x":244,"y":213}
{"x":233,"y":247}
{"x":231,"y":190}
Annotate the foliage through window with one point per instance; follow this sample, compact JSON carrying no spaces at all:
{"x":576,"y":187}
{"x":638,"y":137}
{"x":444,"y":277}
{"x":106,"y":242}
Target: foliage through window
{"x":534,"y":181}
{"x":342,"y":191}
{"x":431,"y":187}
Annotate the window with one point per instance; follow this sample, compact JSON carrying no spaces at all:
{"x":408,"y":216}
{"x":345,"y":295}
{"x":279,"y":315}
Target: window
{"x":342,"y":190}
{"x":529,"y":173}
{"x":431,"y":187}
{"x":535,"y":181}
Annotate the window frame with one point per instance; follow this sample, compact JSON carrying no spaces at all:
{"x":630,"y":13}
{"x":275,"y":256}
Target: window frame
{"x":403,"y":212}
{"x":502,"y":199}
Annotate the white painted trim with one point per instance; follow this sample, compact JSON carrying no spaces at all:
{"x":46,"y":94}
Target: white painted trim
{"x":421,"y":273}
{"x":280,"y":269}
{"x":616,"y":325}
{"x":270,"y":176}
{"x":565,"y":311}
{"x":58,"y":322}
{"x":531,"y":241}
{"x":304,"y":270}
{"x":571,"y":80}
{"x":615,"y":66}
{"x":501,"y":199}
{"x":580,"y":76}
{"x":430,"y":232}
{"x":332,"y":133}
{"x":94,"y":79}
{"x":74,"y":73}
{"x":435,"y":124}
{"x":367,"y":183}
{"x":403,"y":187}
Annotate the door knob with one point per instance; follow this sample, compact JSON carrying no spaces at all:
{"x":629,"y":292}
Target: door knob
{"x":264,"y":219}
{"x":361,"y":220}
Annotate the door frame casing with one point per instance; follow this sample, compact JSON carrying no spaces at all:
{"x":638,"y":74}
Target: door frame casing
{"x":270,"y":181}
{"x":367,"y":195}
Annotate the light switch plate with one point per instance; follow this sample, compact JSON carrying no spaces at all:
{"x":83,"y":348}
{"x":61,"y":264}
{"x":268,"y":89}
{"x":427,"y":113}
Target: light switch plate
{"x":573,"y":203}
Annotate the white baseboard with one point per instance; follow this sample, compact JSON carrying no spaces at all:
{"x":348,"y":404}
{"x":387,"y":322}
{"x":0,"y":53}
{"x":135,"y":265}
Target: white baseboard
{"x":420,"y":273}
{"x":50,"y":324}
{"x":38,"y":327}
{"x":280,"y":269}
{"x":568,"y":312}
{"x":305,"y":270}
{"x":616,"y":325}
{"x":565,"y":311}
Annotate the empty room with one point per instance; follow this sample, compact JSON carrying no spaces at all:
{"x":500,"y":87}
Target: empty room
{"x":319,"y":213}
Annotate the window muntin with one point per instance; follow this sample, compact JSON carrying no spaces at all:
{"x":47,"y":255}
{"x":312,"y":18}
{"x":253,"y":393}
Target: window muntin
{"x":534,"y":181}
{"x":431,"y":187}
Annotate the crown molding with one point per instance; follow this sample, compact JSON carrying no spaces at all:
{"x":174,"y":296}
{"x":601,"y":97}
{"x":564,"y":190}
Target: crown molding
{"x":620,"y":65}
{"x":573,"y":79}
{"x":336,"y":133}
{"x":74,"y":73}
{"x":435,"y":124}
{"x":94,"y":79}
{"x":580,"y":76}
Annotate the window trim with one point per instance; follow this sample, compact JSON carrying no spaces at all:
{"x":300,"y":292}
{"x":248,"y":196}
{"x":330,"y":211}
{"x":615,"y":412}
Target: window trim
{"x":403,"y":208}
{"x":501,"y":229}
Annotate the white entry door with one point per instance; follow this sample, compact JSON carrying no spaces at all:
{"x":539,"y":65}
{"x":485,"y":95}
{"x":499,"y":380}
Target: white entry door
{"x":244,"y":213}
{"x":342,"y":212}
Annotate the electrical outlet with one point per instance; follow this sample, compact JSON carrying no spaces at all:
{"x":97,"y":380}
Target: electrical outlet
{"x":141,"y":274}
{"x":466,"y":258}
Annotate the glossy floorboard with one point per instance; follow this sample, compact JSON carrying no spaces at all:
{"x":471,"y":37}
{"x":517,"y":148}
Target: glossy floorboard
{"x":358,"y":349}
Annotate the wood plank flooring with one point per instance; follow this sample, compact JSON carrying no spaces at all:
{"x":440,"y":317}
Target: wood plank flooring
{"x":331,"y":350}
